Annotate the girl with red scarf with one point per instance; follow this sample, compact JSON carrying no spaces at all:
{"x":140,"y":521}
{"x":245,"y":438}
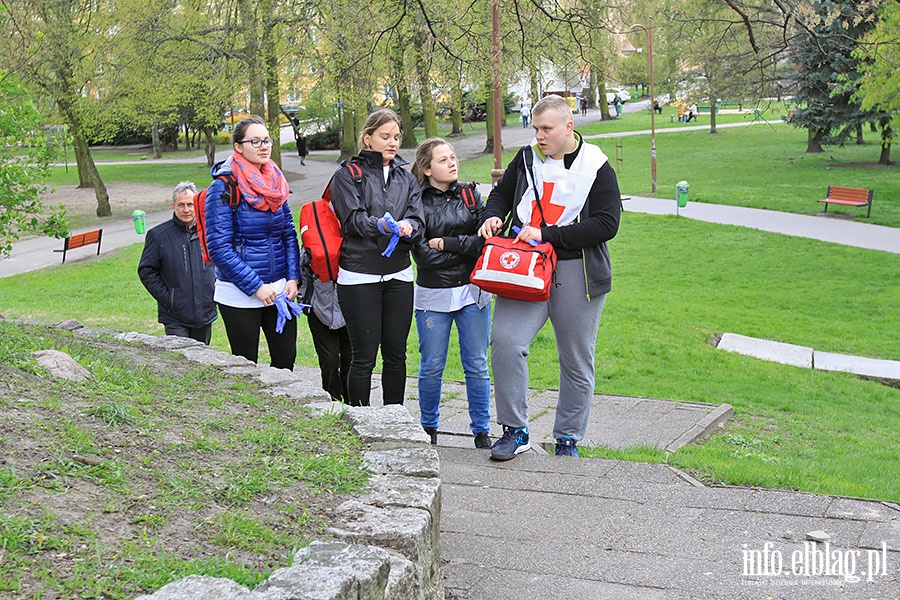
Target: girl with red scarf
{"x":254,"y":247}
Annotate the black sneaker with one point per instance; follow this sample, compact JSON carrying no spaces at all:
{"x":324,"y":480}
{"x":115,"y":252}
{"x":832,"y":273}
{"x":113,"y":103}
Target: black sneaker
{"x":432,"y":433}
{"x":565,"y":446}
{"x":482,"y":440}
{"x":514,"y":441}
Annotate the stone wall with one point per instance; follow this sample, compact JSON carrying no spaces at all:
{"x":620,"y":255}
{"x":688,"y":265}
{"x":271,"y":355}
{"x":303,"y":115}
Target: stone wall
{"x":385,"y":544}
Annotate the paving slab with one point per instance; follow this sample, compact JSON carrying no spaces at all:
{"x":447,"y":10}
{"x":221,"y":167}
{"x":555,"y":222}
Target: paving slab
{"x":868,"y":367}
{"x":615,"y":421}
{"x":553,"y":527}
{"x":805,"y":357}
{"x":788,"y":354}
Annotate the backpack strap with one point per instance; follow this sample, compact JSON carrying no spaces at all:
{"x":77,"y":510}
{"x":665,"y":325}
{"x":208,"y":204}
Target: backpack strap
{"x":232,"y":193}
{"x":355,"y":171}
{"x":467,"y":191}
{"x":529,"y":164}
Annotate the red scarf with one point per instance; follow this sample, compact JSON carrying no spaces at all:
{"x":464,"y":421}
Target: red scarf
{"x":264,"y":187}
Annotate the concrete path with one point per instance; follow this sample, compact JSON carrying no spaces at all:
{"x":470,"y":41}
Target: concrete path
{"x":542,"y":527}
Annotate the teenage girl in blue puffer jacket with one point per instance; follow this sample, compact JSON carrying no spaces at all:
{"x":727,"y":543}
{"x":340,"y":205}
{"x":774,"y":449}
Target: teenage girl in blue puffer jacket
{"x":254,"y":247}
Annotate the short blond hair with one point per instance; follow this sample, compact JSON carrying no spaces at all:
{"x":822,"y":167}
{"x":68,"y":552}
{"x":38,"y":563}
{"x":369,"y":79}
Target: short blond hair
{"x":554,"y":103}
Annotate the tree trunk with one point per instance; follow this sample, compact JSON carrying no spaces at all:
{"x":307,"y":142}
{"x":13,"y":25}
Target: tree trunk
{"x":814,"y":141}
{"x":859,"y":135}
{"x":604,"y":105}
{"x":533,"y":84}
{"x":403,"y":96}
{"x":422,"y":67}
{"x":403,"y":103}
{"x":154,"y":136}
{"x":712,"y":115}
{"x":209,"y":146}
{"x":84,"y":152}
{"x":456,"y":96}
{"x":255,"y":68}
{"x":273,"y":95}
{"x":886,"y":134}
{"x":348,"y":134}
{"x":83,"y":157}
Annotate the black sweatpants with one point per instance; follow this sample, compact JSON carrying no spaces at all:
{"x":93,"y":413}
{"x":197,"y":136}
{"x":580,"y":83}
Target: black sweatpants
{"x":377,"y":315}
{"x":242,"y":326}
{"x":333,"y":350}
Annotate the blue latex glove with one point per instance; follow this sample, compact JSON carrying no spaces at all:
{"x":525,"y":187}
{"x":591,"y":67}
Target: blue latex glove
{"x":394,"y":229}
{"x":286,"y":311}
{"x":517,"y":230}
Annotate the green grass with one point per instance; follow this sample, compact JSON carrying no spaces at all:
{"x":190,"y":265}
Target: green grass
{"x":764,"y":166}
{"x":677,"y":283}
{"x":106,"y":494}
{"x":114,"y":154}
{"x":139,"y":172}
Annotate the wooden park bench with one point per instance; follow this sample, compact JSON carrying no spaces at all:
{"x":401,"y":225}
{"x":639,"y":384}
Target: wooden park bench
{"x":79,"y":240}
{"x":847,"y":196}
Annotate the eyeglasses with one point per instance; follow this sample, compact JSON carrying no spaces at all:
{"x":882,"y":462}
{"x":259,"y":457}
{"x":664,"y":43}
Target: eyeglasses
{"x":256,"y":142}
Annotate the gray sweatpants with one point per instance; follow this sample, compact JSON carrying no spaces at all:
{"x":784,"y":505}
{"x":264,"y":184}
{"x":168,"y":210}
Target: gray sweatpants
{"x":575,"y":323}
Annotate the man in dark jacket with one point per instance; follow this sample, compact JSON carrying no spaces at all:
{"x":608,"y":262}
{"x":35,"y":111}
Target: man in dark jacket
{"x":173,"y":271}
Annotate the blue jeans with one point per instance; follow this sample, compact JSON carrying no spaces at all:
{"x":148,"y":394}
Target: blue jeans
{"x":473,"y":325}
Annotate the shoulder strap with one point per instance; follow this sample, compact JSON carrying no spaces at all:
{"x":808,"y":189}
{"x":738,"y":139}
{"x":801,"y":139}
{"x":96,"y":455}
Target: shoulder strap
{"x":466,"y":190}
{"x":232,"y":193}
{"x":529,"y":164}
{"x":355,"y":171}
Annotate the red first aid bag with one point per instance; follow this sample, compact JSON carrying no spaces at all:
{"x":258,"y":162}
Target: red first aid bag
{"x":515,"y":270}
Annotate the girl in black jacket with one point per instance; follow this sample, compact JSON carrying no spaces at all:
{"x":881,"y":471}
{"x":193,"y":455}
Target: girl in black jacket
{"x":375,"y":279}
{"x":445,"y":256}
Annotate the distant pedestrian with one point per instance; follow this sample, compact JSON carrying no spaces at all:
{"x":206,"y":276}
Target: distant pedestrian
{"x":681,"y":112}
{"x":173,"y":271}
{"x":584,"y":103}
{"x":301,"y":147}
{"x":692,"y":113}
{"x":525,"y":116}
{"x":617,"y":104}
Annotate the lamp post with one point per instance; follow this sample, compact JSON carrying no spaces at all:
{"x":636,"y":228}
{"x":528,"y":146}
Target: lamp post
{"x":649,"y":30}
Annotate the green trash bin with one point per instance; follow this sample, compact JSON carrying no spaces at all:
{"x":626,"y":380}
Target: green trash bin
{"x":140,"y":221}
{"x":681,"y":193}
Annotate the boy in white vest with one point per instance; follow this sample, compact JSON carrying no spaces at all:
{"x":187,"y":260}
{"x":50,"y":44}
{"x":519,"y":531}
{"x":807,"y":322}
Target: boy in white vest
{"x":580,"y":201}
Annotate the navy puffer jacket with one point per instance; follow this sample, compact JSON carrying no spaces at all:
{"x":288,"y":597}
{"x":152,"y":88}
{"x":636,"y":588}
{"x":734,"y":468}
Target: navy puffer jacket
{"x":250,"y":247}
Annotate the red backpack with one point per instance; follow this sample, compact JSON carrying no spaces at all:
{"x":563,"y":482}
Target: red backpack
{"x":231,"y":196}
{"x":320,"y":230}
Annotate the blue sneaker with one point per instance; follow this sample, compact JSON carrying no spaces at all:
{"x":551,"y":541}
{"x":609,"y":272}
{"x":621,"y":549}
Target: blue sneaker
{"x":565,"y":446}
{"x":514,"y":441}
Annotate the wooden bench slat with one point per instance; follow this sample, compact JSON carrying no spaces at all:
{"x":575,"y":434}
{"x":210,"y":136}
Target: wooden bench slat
{"x":847,"y":196}
{"x":80,"y":240}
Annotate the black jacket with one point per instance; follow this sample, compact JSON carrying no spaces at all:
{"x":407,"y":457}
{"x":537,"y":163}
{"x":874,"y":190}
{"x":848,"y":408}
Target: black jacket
{"x":173,"y":271}
{"x":359,"y":213}
{"x":448,"y":217}
{"x":597,"y":224}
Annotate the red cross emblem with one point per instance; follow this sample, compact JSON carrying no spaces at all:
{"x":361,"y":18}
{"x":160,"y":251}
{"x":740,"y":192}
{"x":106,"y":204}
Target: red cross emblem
{"x":509,"y":260}
{"x":552,"y":212}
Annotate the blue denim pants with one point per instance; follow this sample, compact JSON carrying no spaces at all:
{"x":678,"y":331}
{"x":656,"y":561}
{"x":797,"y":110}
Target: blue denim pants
{"x":473,"y":325}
